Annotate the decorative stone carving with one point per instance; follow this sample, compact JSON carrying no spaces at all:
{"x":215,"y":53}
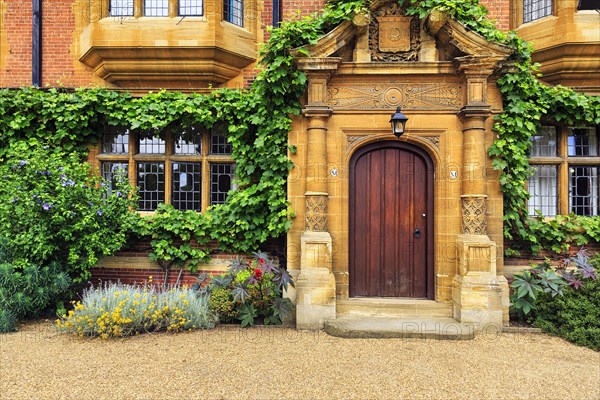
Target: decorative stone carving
{"x":408,"y":95}
{"x":392,"y":35}
{"x":435,"y":140}
{"x":353,"y":140}
{"x":316,"y":212}
{"x":474,"y":221}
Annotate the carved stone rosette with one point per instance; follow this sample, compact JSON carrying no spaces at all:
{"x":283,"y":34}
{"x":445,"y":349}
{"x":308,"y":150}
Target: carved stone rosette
{"x":474,"y":209}
{"x":316,"y":212}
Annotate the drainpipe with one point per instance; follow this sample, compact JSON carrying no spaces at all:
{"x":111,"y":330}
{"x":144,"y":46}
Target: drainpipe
{"x":276,"y":12}
{"x":36,"y":44}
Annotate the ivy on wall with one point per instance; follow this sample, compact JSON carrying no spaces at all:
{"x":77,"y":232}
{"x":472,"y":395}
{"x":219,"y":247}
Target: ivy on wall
{"x":259,"y":120}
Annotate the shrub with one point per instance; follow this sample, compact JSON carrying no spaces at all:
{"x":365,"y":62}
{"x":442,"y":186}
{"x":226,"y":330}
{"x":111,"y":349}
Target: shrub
{"x":545,"y":278}
{"x":123,"y":310}
{"x":574,"y":316}
{"x":251,"y":290}
{"x":27,"y":290}
{"x":52,"y":208}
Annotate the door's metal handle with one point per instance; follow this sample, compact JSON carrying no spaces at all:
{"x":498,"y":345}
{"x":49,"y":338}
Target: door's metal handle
{"x":417,"y":233}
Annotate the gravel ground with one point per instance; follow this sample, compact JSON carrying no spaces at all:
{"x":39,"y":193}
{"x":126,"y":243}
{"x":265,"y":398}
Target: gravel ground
{"x":282,"y":363}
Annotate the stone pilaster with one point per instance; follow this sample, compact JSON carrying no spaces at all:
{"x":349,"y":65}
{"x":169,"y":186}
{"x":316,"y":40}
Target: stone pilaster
{"x":315,"y":288}
{"x":478,"y":292}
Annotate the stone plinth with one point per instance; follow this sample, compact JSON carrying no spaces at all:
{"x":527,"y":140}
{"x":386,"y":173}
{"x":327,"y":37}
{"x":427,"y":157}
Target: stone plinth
{"x":315,"y":288}
{"x":479,"y":294}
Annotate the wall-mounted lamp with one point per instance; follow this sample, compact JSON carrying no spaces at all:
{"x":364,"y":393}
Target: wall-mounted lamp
{"x":398,"y":122}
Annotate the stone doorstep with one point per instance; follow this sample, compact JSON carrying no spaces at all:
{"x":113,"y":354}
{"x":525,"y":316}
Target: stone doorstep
{"x":392,"y":307}
{"x":437,"y":328}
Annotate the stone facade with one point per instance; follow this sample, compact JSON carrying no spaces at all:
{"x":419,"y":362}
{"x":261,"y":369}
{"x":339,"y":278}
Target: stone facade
{"x":441,"y":75}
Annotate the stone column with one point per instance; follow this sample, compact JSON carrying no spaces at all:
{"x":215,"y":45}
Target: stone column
{"x":315,"y":301}
{"x":478,"y":292}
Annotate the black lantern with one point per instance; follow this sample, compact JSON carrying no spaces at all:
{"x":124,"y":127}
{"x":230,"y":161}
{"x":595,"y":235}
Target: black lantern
{"x":398,"y":122}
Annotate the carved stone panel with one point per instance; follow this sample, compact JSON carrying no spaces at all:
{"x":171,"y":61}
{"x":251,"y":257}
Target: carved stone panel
{"x":316,"y":212}
{"x":392,"y":35}
{"x":407,"y":95}
{"x":474,"y":220}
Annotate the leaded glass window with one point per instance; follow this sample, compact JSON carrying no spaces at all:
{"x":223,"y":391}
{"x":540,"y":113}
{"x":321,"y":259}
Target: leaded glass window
{"x":151,"y":184}
{"x":221,"y":180}
{"x":583,"y":190}
{"x":156,"y":8}
{"x":116,"y":140}
{"x":542,"y":190}
{"x":233,"y":11}
{"x":121,"y":8}
{"x":187,"y":186}
{"x":565,"y":162}
{"x":536,"y":9}
{"x":190,"y":7}
{"x":188,"y":167}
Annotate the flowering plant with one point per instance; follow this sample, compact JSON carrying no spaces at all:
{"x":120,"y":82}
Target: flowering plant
{"x":117,"y":310}
{"x":52,"y":208}
{"x":251,"y":290}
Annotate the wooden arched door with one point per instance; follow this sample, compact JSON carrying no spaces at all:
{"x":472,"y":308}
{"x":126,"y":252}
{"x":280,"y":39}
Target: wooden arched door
{"x":391,"y":221}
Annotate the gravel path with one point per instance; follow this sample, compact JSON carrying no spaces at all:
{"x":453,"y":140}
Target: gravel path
{"x":281,"y":363}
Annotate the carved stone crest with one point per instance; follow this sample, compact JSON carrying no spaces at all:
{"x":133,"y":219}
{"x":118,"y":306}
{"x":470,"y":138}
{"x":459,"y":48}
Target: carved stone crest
{"x":392,"y":35}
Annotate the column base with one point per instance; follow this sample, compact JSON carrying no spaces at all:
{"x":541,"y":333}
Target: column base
{"x":479,"y":295}
{"x":315,"y":288}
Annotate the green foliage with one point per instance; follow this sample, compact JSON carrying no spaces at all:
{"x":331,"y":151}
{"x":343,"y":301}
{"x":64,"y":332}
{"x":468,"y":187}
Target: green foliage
{"x":547,"y":280}
{"x":117,"y":310}
{"x":26,"y":290}
{"x":53,"y":209}
{"x":251,"y":290}
{"x":574,"y":316}
{"x":173,"y":233}
{"x":221,"y":302}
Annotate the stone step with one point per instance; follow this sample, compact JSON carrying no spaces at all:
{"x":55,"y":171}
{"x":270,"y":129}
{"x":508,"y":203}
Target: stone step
{"x":392,"y":307}
{"x":439,"y":328}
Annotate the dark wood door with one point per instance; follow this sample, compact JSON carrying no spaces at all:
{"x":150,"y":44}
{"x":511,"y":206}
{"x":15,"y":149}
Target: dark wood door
{"x":391,"y":221}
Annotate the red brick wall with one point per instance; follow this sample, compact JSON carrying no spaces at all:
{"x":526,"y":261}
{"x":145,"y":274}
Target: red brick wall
{"x":15,"y":23}
{"x":293,"y":8}
{"x":500,"y":11}
{"x":58,"y":60}
{"x":140,"y":276}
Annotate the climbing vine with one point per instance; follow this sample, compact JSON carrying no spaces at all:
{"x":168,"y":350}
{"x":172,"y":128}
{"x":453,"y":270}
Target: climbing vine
{"x":258,"y":128}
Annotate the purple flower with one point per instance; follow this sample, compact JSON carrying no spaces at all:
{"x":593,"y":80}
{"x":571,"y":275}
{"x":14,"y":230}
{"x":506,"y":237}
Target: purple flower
{"x":47,"y":206}
{"x":14,"y":200}
{"x":69,"y":182}
{"x":22,"y":163}
{"x":118,"y":193}
{"x":99,"y":212}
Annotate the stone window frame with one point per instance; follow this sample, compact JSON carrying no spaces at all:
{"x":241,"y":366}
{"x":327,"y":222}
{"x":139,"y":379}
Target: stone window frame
{"x":139,"y":6}
{"x":564,"y":166}
{"x":517,"y":13}
{"x":206,"y":158}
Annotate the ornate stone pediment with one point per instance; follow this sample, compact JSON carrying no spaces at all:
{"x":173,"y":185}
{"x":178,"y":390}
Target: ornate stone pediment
{"x":386,"y":34}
